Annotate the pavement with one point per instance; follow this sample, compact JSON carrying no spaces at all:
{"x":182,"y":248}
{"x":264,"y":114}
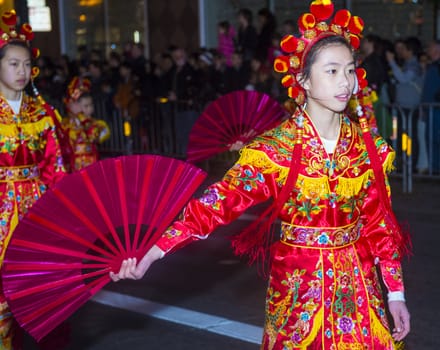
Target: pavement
{"x":203,"y":297}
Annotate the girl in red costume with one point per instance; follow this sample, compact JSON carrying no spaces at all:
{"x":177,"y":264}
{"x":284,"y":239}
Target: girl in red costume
{"x":327,"y":175}
{"x":30,"y":156}
{"x":84,"y":131}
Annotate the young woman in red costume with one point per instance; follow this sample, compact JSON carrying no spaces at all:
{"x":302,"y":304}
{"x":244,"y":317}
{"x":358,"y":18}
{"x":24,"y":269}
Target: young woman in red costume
{"x":30,"y":156}
{"x":327,"y":175}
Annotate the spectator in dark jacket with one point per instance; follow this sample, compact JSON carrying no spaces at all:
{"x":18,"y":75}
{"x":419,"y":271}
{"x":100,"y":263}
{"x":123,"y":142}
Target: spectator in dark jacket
{"x":219,"y":74}
{"x":238,"y":75}
{"x":138,"y":60}
{"x":430,"y":94}
{"x":247,"y":38}
{"x":372,"y":62}
{"x":267,"y":27}
{"x":184,"y":93}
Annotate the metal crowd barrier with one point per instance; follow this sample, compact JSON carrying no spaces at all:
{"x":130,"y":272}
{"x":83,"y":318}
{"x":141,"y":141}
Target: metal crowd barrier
{"x":162,"y":127}
{"x":416,"y":138}
{"x":431,"y":117}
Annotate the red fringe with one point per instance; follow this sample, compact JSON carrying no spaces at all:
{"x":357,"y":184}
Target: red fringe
{"x":254,"y":242}
{"x":401,"y":233}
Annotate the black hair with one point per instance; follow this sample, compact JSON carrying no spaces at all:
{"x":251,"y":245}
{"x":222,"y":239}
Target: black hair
{"x":225,"y":25}
{"x":414,"y":45}
{"x":317,"y":47}
{"x":375,"y":39}
{"x":247,"y":14}
{"x":16,"y":43}
{"x":265,"y":12}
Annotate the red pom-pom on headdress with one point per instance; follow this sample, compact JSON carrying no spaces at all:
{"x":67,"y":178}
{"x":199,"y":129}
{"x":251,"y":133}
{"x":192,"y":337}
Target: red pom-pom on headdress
{"x":306,"y":21}
{"x":35,"y":52}
{"x":361,"y":75}
{"x":355,"y":41}
{"x":288,"y":80}
{"x":34,"y":72}
{"x":342,"y":18}
{"x":356,"y":25}
{"x":10,"y":18}
{"x":291,"y":44}
{"x":281,"y":64}
{"x":26,"y":30}
{"x":322,"y":9}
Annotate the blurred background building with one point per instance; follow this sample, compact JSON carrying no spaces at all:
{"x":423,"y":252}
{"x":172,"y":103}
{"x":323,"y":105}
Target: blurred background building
{"x":66,"y":25}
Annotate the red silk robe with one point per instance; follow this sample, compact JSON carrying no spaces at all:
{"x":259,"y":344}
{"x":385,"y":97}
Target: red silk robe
{"x":324,"y":291}
{"x":30,"y":161}
{"x":84,"y":134}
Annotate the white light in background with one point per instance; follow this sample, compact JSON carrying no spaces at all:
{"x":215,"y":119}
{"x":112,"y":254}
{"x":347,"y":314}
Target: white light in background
{"x":136,"y":36}
{"x":36,"y":3}
{"x":39,"y":19}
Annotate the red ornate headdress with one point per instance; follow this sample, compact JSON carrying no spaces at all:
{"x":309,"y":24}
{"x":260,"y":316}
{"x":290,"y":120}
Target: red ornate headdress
{"x":13,"y":34}
{"x":314,"y":27}
{"x":76,"y":88}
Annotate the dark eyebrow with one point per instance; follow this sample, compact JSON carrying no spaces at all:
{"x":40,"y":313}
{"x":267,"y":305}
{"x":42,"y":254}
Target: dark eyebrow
{"x":17,"y":59}
{"x":338,"y":64}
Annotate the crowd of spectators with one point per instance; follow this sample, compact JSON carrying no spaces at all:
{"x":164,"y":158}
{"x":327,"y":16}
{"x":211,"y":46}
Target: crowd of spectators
{"x":407,"y":75}
{"x":243,"y":59}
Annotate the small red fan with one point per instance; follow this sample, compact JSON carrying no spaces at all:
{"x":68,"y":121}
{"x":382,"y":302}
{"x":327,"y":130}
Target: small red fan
{"x":236,"y":117}
{"x":62,"y":251}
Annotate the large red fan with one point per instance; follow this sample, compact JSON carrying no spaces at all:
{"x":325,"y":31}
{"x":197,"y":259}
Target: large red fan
{"x":61,"y":253}
{"x":235,"y":117}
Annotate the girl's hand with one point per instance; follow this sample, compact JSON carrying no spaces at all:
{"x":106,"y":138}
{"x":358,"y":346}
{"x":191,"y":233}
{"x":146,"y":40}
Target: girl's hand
{"x":401,"y":317}
{"x":131,"y":270}
{"x":237,"y":145}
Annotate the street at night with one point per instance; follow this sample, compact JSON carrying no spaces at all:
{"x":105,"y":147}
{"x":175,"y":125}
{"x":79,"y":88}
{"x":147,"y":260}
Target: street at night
{"x":203,"y":297}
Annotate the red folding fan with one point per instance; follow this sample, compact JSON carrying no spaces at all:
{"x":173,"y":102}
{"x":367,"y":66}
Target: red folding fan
{"x":238,"y":116}
{"x":61,"y":253}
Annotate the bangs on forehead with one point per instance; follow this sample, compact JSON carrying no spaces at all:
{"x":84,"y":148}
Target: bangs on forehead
{"x":13,"y":50}
{"x":332,"y":54}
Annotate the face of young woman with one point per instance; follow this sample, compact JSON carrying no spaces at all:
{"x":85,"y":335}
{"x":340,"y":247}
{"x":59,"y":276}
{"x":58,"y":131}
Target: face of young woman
{"x":331,"y":80}
{"x":15,"y":71}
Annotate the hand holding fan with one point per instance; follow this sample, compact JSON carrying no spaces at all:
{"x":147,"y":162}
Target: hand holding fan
{"x":61,"y":253}
{"x":234,"y":118}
